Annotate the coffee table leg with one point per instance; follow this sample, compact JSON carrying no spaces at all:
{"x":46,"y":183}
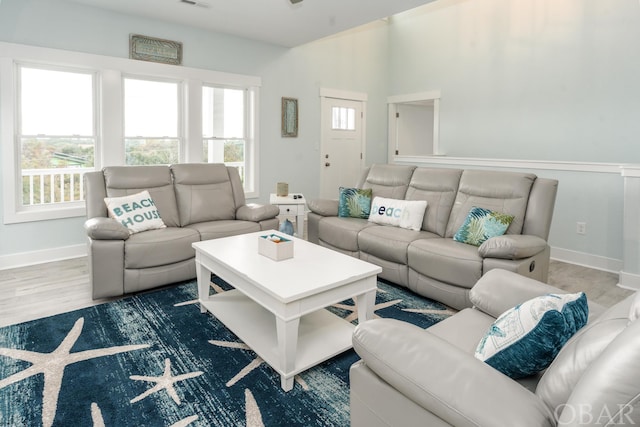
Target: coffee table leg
{"x":287,"y":344}
{"x":365,"y":303}
{"x":204,"y":277}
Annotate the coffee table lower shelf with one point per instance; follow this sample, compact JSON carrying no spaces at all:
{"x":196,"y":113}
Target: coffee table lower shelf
{"x":320,"y":334}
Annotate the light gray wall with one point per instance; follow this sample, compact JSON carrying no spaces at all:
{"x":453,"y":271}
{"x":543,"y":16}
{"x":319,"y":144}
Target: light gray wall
{"x":532,"y":79}
{"x":356,"y":61}
{"x":535,"y":80}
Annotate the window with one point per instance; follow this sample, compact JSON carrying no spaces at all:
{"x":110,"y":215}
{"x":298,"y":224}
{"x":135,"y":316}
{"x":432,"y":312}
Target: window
{"x":64,"y":113}
{"x":224,"y":127}
{"x":55,"y":134}
{"x":151,"y":122}
{"x":343,"y":118}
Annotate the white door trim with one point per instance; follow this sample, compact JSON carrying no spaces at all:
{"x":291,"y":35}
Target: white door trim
{"x":343,"y":94}
{"x":350,"y":96}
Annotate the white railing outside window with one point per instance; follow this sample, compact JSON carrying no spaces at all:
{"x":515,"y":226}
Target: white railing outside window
{"x":48,"y":186}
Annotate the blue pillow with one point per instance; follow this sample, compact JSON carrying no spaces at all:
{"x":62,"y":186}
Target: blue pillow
{"x":482,"y":224}
{"x":525,"y":339}
{"x":354,"y":202}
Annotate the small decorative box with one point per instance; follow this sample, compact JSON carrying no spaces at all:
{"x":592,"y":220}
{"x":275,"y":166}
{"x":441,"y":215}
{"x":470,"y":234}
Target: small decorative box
{"x":275,"y":247}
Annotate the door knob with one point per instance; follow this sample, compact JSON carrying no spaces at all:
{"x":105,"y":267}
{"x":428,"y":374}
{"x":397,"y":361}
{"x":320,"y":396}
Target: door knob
{"x":327,"y":164}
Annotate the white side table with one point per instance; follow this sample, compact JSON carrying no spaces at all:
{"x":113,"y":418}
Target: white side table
{"x":291,"y":208}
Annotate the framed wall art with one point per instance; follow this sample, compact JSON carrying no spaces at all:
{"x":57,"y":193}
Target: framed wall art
{"x":155,"y":50}
{"x":289,"y":117}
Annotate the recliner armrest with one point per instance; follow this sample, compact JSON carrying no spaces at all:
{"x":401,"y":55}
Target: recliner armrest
{"x":101,"y":228}
{"x":512,"y":246}
{"x":443,"y":379}
{"x":499,"y":290}
{"x":256,"y":212}
{"x":324,"y":207}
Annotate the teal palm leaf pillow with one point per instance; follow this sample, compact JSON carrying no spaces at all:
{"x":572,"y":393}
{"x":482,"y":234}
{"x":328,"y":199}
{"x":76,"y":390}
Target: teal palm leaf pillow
{"x":482,"y":224}
{"x":354,"y":202}
{"x":525,"y":339}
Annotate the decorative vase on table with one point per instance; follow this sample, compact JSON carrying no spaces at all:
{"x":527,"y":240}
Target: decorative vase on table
{"x":286,"y":227}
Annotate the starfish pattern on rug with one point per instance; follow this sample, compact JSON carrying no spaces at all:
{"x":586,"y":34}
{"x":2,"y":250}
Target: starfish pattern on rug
{"x":252,"y":411}
{"x":213,"y":286}
{"x":163,"y":382}
{"x":354,"y":309}
{"x":252,"y":365}
{"x":98,"y":420}
{"x":52,"y":365}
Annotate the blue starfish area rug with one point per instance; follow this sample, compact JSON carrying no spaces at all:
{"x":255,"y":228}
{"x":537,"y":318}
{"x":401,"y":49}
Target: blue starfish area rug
{"x":154,"y":360}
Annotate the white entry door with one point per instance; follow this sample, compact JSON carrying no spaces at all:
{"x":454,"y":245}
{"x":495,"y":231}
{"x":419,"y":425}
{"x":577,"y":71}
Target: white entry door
{"x":342,"y":146}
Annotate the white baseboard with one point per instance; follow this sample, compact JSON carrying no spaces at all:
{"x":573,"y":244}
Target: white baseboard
{"x":629,"y":281}
{"x":25,"y":259}
{"x":587,"y":260}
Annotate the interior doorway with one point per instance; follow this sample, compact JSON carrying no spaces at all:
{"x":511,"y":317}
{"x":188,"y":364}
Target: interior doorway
{"x":342,"y":140}
{"x":413,"y":124}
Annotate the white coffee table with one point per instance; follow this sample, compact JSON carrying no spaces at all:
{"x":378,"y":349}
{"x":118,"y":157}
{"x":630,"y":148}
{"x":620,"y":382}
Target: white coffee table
{"x":277,"y":307}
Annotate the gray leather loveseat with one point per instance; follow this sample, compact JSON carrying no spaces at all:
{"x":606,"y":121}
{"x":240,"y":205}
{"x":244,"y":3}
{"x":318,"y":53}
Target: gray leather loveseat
{"x":409,"y":376}
{"x":195,"y":201}
{"x":429,"y":261}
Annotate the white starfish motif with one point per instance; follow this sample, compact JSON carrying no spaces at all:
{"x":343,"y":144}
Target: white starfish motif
{"x":52,"y":366}
{"x":252,"y":411}
{"x":354,"y":309}
{"x":213,"y":285}
{"x":252,"y":365}
{"x":165,"y":381}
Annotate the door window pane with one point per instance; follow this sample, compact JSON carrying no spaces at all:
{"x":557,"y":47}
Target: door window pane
{"x":343,"y":118}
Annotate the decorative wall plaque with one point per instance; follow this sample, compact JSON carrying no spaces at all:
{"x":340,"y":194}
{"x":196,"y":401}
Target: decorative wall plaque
{"x":289,"y":117}
{"x":156,"y":50}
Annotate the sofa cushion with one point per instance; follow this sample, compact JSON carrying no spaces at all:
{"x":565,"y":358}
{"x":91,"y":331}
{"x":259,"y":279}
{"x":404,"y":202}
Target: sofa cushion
{"x":389,"y":181}
{"x":127,"y":180}
{"x":342,"y":233}
{"x":354,"y":202}
{"x":506,"y":192}
{"x":388,"y":242}
{"x":400,"y":213}
{"x":445,"y":260}
{"x":482,"y":224}
{"x":464,"y":329}
{"x":438,"y":187}
{"x":526,"y":338}
{"x":223,"y":228}
{"x":203,"y":192}
{"x":136,"y":212}
{"x":155,"y":248}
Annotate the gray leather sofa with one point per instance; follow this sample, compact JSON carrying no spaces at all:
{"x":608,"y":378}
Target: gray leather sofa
{"x":195,"y":201}
{"x":410,"y":376}
{"x":429,"y":261}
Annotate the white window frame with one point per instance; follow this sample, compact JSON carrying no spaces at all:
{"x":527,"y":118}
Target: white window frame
{"x":181,"y":113}
{"x":250,"y":146}
{"x":110,"y":116}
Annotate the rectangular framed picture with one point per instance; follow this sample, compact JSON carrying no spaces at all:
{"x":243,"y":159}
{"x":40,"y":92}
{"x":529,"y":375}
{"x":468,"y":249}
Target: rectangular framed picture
{"x":155,"y":50}
{"x":289,"y":117}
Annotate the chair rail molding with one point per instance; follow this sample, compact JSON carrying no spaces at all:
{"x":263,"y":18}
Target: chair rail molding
{"x":630,"y":273}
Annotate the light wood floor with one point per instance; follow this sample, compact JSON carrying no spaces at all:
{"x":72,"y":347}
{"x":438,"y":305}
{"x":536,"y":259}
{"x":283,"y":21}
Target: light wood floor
{"x":30,"y":293}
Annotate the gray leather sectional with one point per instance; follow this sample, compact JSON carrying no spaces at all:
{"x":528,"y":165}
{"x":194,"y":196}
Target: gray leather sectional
{"x":409,"y":376}
{"x":429,"y":261}
{"x":195,"y":201}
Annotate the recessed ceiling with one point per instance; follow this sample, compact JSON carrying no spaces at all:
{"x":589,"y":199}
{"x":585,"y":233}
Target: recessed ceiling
{"x":272,"y":21}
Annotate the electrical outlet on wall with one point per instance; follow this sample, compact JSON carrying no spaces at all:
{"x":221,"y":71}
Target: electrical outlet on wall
{"x":581,"y":227}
